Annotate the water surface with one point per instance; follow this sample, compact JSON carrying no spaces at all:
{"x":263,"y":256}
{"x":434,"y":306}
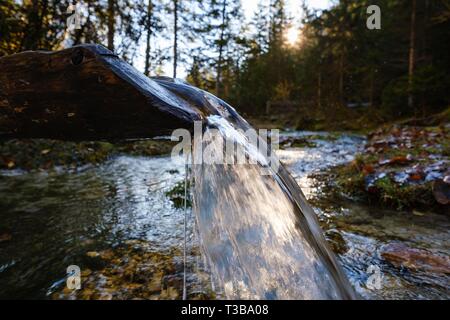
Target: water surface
{"x":119,"y":209}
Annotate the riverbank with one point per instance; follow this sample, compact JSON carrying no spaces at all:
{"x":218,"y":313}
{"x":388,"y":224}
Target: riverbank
{"x":343,"y":119}
{"x":44,"y":154}
{"x":407,"y":252}
{"x":401,"y":167}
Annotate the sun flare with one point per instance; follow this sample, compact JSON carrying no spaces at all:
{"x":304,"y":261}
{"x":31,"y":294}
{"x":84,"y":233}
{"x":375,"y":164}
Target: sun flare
{"x":292,"y":36}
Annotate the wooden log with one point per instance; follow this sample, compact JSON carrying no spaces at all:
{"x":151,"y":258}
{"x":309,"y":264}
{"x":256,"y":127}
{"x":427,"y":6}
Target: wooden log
{"x":87,"y":92}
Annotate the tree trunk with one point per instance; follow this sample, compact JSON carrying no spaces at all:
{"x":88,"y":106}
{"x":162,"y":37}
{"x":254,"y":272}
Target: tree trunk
{"x":412,"y":55}
{"x":32,"y":38}
{"x":341,"y":79}
{"x":149,"y":34}
{"x":175,"y":38}
{"x":221,"y":45}
{"x":372,"y":86}
{"x":88,"y":93}
{"x":319,"y":90}
{"x":111,"y":24}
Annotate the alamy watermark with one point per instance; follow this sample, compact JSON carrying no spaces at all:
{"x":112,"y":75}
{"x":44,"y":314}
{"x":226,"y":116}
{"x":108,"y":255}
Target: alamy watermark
{"x":74,"y":21}
{"x":374,"y":281}
{"x":374,"y":20}
{"x":73,"y":281}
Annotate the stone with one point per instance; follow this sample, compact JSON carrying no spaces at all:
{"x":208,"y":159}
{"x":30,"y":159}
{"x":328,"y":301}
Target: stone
{"x":400,"y":255}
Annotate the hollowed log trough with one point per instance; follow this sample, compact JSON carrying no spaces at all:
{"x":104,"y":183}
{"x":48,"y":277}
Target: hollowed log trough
{"x":88,"y":93}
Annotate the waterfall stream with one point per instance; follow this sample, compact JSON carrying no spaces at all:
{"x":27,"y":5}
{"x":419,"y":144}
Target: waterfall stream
{"x":258,"y":232}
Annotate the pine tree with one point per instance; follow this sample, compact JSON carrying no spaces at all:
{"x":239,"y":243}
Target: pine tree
{"x":111,"y":18}
{"x":221,"y":27}
{"x":278,"y":22}
{"x":184,"y":18}
{"x":176,"y":9}
{"x":11,"y":27}
{"x":152,"y":20}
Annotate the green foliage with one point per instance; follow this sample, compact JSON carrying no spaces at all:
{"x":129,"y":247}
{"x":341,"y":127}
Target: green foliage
{"x":177,"y":195}
{"x":395,"y":97}
{"x":429,"y":85}
{"x":403,"y":197}
{"x":337,"y":61}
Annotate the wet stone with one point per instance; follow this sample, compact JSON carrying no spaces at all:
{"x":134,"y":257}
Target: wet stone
{"x":415,"y":259}
{"x":149,"y":275}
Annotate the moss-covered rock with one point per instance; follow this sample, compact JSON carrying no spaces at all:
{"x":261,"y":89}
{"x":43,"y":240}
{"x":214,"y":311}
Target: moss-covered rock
{"x":398,"y":168}
{"x":177,"y":195}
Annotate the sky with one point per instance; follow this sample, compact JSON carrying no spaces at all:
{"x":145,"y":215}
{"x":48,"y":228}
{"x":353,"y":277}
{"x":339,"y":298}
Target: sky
{"x":249,"y":7}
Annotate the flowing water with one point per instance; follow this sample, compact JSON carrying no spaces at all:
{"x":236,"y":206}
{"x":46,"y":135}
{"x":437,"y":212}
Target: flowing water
{"x":359,"y":232}
{"x":116,"y":223}
{"x":260,"y":242}
{"x":118,"y":210}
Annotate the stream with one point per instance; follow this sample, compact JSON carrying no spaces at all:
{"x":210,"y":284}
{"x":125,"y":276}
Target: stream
{"x":117,"y":224}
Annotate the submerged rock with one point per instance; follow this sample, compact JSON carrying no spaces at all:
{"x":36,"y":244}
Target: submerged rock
{"x":336,"y":241}
{"x":136,"y":270}
{"x":414,"y":259}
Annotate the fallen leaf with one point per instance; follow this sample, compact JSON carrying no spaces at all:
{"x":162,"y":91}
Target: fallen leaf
{"x":93,"y":254}
{"x":415,"y":177}
{"x":368,"y":169}
{"x":396,"y":160}
{"x":418,"y":213}
{"x":5,"y":237}
{"x":45,"y":151}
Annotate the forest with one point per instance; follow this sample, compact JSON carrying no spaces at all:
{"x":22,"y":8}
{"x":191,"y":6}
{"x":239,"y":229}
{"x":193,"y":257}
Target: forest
{"x":323,"y":62}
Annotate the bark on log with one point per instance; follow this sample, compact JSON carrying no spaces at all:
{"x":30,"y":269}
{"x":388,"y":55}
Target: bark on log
{"x":86,"y":92}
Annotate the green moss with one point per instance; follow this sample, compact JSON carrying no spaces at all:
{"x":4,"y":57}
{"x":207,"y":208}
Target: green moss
{"x":176,"y":195}
{"x":146,"y":147}
{"x":353,"y":179}
{"x":303,"y":143}
{"x":403,"y":196}
{"x":30,"y":154}
{"x":325,"y":137}
{"x":349,"y":180}
{"x":446,"y":147}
